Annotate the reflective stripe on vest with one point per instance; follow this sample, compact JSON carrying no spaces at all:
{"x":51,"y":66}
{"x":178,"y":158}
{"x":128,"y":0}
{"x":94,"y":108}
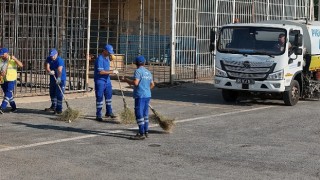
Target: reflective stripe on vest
{"x":11,"y":70}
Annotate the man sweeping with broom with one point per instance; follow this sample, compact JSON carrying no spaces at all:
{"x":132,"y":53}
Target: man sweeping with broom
{"x":55,"y":66}
{"x":143,"y":83}
{"x":102,"y":83}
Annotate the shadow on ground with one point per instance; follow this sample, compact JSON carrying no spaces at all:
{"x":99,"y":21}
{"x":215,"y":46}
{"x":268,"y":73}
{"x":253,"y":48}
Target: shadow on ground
{"x":72,"y":129}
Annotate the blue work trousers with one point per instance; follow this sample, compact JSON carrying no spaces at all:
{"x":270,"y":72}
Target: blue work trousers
{"x":7,"y":88}
{"x":103,"y":89}
{"x":141,"y":110}
{"x":56,"y":95}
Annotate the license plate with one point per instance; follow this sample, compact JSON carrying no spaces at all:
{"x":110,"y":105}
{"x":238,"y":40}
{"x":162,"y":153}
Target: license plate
{"x":245,"y":81}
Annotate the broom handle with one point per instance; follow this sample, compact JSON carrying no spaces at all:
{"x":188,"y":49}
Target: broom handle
{"x":61,"y":92}
{"x":153,"y":110}
{"x":124,"y":100}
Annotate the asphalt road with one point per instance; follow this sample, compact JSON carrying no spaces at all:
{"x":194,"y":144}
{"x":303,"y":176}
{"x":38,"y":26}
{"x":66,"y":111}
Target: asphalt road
{"x":251,"y":139}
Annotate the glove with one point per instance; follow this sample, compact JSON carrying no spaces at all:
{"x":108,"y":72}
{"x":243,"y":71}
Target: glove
{"x":115,"y":71}
{"x":51,"y":72}
{"x":58,"y":81}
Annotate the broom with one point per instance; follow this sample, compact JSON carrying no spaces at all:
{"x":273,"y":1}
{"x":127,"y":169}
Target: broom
{"x":165,"y":123}
{"x":127,"y":116}
{"x":69,"y":114}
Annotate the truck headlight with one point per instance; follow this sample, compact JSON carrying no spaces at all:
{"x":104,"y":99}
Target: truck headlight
{"x":276,"y":76}
{"x":220,"y":73}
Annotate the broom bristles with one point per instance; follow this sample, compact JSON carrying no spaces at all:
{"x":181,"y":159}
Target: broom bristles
{"x":165,"y":123}
{"x":127,"y":116}
{"x":69,"y":115}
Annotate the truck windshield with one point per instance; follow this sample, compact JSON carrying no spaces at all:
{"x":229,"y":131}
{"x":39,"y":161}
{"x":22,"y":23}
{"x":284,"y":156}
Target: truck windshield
{"x":252,"y":40}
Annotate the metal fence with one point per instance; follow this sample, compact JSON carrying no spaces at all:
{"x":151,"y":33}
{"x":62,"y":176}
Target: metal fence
{"x":195,"y":18}
{"x":173,"y":35}
{"x":29,"y":28}
{"x":134,"y":27}
{"x":177,"y":31}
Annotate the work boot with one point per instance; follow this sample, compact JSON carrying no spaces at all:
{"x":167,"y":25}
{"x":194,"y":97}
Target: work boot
{"x":111,"y":116}
{"x":99,"y":119}
{"x":138,"y":137}
{"x":49,"y":109}
{"x":57,"y":112}
{"x":146,"y":134}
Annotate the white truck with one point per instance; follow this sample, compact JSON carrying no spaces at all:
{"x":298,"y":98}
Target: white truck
{"x":248,"y":59}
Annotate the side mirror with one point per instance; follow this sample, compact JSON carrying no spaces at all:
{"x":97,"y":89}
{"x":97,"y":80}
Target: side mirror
{"x":212,"y":40}
{"x":298,"y":40}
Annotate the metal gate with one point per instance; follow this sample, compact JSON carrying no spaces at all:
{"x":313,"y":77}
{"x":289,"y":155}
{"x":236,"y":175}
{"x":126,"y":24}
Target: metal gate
{"x":29,"y":28}
{"x":194,"y":19}
{"x":173,"y":35}
{"x":133,"y":27}
{"x":193,"y":22}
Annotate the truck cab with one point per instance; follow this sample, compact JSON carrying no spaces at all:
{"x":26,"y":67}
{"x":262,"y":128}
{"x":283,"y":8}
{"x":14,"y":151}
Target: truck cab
{"x":266,"y":57}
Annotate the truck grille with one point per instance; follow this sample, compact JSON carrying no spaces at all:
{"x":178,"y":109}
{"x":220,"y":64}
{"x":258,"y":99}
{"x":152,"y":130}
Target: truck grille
{"x":248,"y":70}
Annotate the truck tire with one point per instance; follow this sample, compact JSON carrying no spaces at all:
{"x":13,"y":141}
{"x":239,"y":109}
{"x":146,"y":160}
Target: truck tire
{"x":292,"y":96}
{"x":229,"y":95}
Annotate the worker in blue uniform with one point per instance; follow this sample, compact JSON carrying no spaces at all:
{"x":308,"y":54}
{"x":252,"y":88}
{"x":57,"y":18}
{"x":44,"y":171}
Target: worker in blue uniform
{"x":55,"y":66}
{"x":102,"y":83}
{"x":142,"y":82}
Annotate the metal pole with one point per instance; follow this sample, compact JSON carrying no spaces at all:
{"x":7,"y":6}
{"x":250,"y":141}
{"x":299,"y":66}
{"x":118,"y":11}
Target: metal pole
{"x":268,"y":9}
{"x":16,"y":36}
{"x":318,"y":11}
{"x":215,"y":26}
{"x":253,"y":12}
{"x":140,"y":27}
{"x":306,"y":9}
{"x":283,"y":6}
{"x":173,"y":41}
{"x":127,"y":37}
{"x":88,"y":44}
{"x":311,"y":16}
{"x":108,"y":20}
{"x":195,"y":43}
{"x":295,"y":9}
{"x":233,"y":10}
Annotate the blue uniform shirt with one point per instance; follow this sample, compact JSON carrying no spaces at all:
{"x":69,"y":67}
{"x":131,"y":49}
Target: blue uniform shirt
{"x":102,"y":64}
{"x":54,"y":64}
{"x":145,"y":79}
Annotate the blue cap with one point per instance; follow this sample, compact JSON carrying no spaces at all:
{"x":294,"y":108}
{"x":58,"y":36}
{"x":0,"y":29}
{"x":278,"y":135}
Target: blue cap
{"x":140,"y":60}
{"x":53,"y":52}
{"x":3,"y":50}
{"x":109,"y":48}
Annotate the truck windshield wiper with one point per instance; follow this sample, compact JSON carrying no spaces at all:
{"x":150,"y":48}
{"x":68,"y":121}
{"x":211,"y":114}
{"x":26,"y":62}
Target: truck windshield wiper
{"x":264,"y":53}
{"x":231,"y":51}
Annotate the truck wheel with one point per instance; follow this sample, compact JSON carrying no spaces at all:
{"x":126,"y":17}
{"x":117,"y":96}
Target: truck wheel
{"x":292,"y":96}
{"x":229,"y":95}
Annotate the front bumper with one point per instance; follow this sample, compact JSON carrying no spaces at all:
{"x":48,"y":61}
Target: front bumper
{"x":261,"y":86}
